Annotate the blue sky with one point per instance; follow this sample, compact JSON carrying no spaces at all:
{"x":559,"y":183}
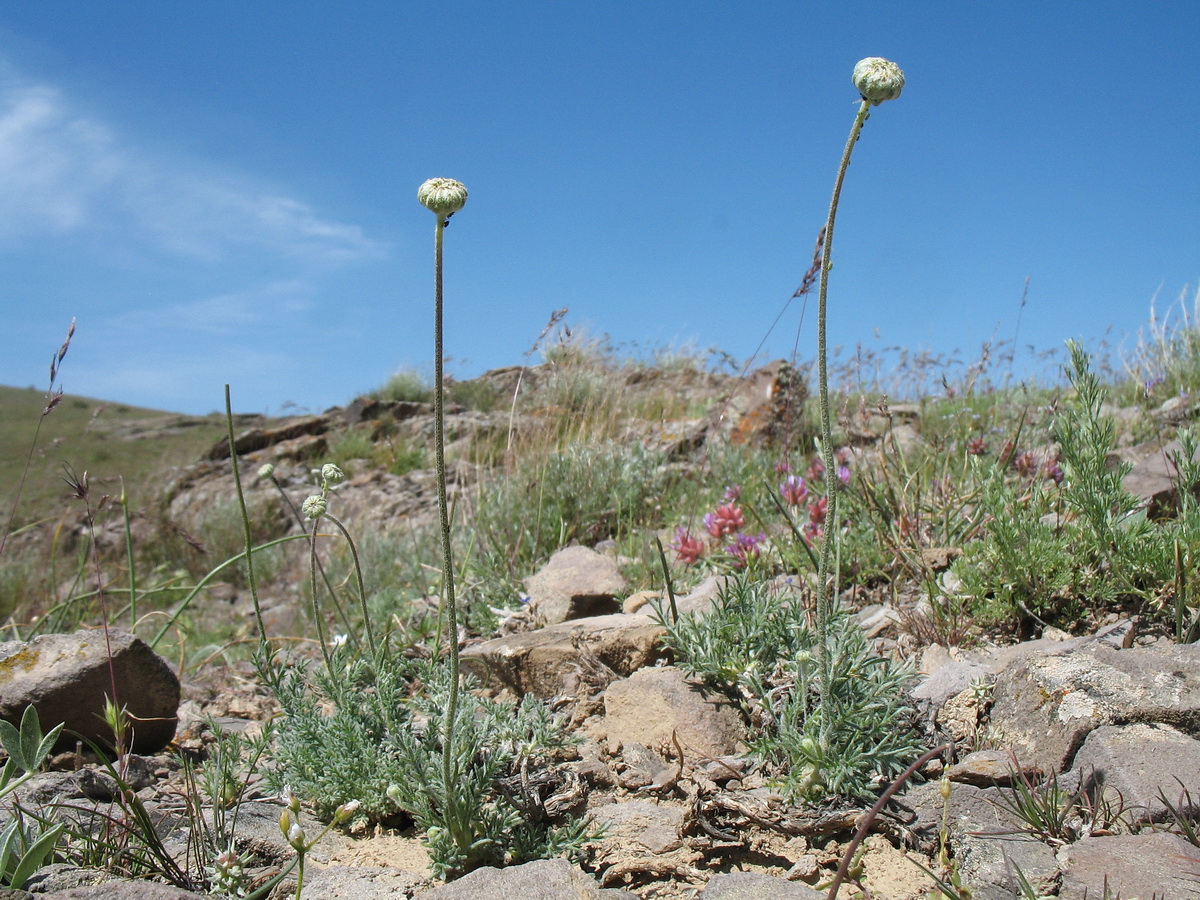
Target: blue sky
{"x":225,"y":191}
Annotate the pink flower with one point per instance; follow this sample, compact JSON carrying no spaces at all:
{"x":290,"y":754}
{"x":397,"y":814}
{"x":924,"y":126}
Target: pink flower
{"x":782,"y":467}
{"x":977,"y":446}
{"x":688,"y":549}
{"x":817,"y":510}
{"x":727,"y":519}
{"x":816,"y":469}
{"x":793,"y":490}
{"x":843,"y":474}
{"x":745,"y":548}
{"x":733,"y":493}
{"x":1026,"y":464}
{"x":1053,"y":471}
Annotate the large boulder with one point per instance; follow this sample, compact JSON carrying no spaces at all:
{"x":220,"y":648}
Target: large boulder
{"x":69,"y":677}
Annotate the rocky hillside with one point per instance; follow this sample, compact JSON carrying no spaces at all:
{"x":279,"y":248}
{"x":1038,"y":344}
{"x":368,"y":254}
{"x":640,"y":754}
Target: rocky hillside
{"x":1015,"y":578}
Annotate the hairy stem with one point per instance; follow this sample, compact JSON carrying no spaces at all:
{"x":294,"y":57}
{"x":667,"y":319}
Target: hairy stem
{"x":439,"y":442}
{"x":825,"y":592}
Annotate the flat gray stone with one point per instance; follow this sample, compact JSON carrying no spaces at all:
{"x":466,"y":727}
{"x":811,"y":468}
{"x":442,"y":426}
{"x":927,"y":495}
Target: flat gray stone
{"x":1135,"y":867}
{"x":1142,"y":763}
{"x":357,"y":883}
{"x":543,"y":879}
{"x":124,"y":889}
{"x":1044,"y":707}
{"x":986,"y":840}
{"x":755,"y":886}
{"x":639,"y":826}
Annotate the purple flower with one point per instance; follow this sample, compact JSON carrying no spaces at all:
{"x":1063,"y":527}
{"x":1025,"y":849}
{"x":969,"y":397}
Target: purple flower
{"x":745,"y":548}
{"x":732,"y":493}
{"x":793,"y":490}
{"x":843,"y":474}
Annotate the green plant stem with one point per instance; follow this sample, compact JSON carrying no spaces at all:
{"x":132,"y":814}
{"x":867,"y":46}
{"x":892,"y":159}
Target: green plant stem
{"x":303,"y":523}
{"x":173,"y":617}
{"x":439,"y":442}
{"x":249,"y":542}
{"x":825,"y":592}
{"x":317,"y":618}
{"x":300,"y":876}
{"x":129,"y":561}
{"x":358,"y":577}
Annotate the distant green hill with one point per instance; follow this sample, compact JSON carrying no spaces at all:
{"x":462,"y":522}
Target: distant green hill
{"x":110,"y":441}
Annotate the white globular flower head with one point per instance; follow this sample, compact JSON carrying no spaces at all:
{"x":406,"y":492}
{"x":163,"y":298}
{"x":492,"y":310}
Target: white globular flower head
{"x":442,"y":196}
{"x":314,"y":507}
{"x":331,"y":474}
{"x":265,"y":471}
{"x":878,"y":79}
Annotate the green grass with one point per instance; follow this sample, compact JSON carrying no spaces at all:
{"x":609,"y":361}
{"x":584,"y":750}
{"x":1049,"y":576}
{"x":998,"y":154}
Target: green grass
{"x":109,"y":441}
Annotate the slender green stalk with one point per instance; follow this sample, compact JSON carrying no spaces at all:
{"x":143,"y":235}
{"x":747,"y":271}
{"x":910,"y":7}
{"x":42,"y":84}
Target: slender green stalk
{"x":129,"y":560}
{"x":318,"y":619}
{"x":173,"y":617}
{"x":825,"y":587}
{"x":358,"y":577}
{"x":248,"y":539}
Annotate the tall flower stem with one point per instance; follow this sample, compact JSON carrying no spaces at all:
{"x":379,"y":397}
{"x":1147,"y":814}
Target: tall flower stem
{"x":439,"y":441}
{"x":825,"y":586}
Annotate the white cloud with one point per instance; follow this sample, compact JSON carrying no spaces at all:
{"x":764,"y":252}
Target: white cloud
{"x":64,"y":172}
{"x":282,"y":302}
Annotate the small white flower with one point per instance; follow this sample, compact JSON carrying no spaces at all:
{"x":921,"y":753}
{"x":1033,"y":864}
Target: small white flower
{"x":339,"y":640}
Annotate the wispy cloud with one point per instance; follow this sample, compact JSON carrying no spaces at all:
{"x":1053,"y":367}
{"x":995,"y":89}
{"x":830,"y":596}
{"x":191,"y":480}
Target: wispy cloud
{"x":63,"y":171}
{"x":234,"y":312}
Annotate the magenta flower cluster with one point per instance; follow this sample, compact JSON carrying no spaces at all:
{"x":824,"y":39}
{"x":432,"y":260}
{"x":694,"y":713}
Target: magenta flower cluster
{"x":725,"y":526}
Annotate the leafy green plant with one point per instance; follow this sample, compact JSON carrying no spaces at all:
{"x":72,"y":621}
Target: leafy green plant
{"x":834,"y":719}
{"x":406,"y":385}
{"x":24,"y":848}
{"x":357,"y":732}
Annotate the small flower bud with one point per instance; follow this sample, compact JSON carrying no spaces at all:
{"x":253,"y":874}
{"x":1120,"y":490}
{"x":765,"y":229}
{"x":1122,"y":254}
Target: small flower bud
{"x":878,"y":79}
{"x":944,"y":788}
{"x":346,"y":811}
{"x":393,"y":793}
{"x":295,"y":837}
{"x":265,"y":471}
{"x":331,"y":474}
{"x":443,"y":196}
{"x":314,"y":507}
